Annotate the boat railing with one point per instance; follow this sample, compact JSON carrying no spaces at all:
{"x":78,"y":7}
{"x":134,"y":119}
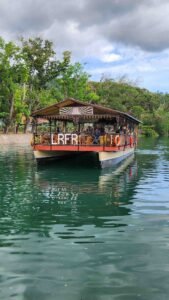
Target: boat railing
{"x":108,"y":140}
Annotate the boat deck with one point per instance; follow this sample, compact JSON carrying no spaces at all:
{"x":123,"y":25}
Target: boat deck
{"x":82,"y":148}
{"x":75,"y":143}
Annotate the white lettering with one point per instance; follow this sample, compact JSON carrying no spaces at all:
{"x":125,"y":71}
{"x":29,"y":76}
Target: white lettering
{"x":111,"y":139}
{"x":74,"y":139}
{"x":65,"y":139}
{"x":52,"y":140}
{"x":61,"y":139}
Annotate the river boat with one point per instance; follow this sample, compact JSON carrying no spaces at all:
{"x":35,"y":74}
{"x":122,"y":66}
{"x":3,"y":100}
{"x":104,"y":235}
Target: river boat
{"x":71,"y":127}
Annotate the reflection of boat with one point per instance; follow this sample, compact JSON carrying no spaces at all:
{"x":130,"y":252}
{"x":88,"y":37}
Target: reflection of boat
{"x":72,"y":127}
{"x":118,"y":170}
{"x":87,"y":196}
{"x":121,"y":167}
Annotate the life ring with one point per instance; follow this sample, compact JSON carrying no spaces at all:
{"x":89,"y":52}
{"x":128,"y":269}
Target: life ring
{"x":117,"y":140}
{"x":131,"y":140}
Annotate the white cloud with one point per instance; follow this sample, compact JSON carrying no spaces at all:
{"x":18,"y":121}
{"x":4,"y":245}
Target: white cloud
{"x":110,"y":57}
{"x":139,"y":23}
{"x":125,"y":36}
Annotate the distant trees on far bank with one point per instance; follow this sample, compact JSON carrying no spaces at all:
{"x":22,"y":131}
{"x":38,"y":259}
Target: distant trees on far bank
{"x":31,"y":77}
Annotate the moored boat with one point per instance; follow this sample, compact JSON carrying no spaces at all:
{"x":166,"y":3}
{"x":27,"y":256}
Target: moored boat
{"x":72,"y":127}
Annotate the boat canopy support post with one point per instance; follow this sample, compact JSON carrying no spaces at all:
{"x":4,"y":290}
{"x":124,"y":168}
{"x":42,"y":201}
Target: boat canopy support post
{"x":50,"y":130}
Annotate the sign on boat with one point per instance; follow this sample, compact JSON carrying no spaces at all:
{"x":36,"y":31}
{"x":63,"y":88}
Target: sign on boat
{"x":71,"y":127}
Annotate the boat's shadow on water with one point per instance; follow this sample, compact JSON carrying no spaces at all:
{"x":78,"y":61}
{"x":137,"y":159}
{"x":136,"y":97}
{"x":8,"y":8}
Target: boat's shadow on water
{"x":83,"y":160}
{"x":85,"y":167}
{"x":83,"y":170}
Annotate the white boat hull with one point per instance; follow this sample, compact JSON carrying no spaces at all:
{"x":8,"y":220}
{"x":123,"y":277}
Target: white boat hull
{"x":42,"y":155}
{"x":112,"y":158}
{"x":105,"y":159}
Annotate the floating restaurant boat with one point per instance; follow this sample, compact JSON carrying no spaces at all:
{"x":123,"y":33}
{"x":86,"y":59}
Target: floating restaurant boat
{"x":72,"y":127}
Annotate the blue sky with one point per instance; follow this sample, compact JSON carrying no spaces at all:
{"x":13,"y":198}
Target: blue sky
{"x":114,"y":38}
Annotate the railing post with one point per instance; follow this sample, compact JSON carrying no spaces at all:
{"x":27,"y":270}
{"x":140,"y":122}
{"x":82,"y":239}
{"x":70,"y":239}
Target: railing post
{"x":50,"y":130}
{"x":35,"y":132}
{"x":78,"y":134}
{"x":104,"y":141}
{"x":78,"y":141}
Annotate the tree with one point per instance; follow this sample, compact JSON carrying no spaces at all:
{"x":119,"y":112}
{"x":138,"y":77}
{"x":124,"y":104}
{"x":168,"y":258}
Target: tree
{"x":13,"y":72}
{"x":43,"y":69}
{"x":161,"y":120}
{"x":40,"y":57}
{"x":73,"y":82}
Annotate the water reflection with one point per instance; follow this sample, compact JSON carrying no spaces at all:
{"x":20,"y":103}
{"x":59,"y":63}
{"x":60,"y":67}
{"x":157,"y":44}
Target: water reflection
{"x":90,"y":197}
{"x":34,"y":199}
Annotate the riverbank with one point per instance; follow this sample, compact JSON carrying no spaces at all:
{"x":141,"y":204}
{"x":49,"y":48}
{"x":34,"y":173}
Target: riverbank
{"x":15,"y":139}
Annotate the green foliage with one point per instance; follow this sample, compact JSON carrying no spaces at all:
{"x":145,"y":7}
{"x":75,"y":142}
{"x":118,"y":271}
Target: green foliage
{"x":31,"y":77}
{"x":148,"y":131}
{"x":13,"y":72}
{"x":161,"y":120}
{"x":138,"y":111}
{"x":43,"y":65}
{"x":72,"y":82}
{"x":151,"y":108}
{"x":25,"y":71}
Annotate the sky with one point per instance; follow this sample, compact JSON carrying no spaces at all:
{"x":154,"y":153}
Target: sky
{"x":112,"y":38}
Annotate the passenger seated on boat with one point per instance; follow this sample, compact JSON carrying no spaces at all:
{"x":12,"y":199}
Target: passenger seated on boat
{"x":55,"y":138}
{"x":111,"y":130}
{"x":89,"y":140}
{"x":107,"y":140}
{"x":82,"y":138}
{"x":117,"y":131}
{"x":89,"y":130}
{"x":37,"y":139}
{"x":102,"y":131}
{"x":101,"y":140}
{"x":123,"y":140}
{"x":58,"y":130}
{"x":97,"y":134}
{"x":124,"y":129}
{"x":44,"y":138}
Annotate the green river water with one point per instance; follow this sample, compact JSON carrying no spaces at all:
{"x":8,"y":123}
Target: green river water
{"x":75,"y":232}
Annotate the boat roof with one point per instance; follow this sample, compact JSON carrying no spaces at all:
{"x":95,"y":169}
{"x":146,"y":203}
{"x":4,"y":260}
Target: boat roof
{"x":99,"y":111}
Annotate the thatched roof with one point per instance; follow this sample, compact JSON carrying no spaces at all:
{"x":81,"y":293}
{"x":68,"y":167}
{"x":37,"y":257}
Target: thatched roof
{"x":98,"y":111}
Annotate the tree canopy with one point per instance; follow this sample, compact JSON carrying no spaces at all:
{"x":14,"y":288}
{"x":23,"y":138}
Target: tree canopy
{"x":31,"y":77}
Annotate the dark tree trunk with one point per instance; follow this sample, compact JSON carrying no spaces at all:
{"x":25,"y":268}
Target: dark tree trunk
{"x":9,"y":119}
